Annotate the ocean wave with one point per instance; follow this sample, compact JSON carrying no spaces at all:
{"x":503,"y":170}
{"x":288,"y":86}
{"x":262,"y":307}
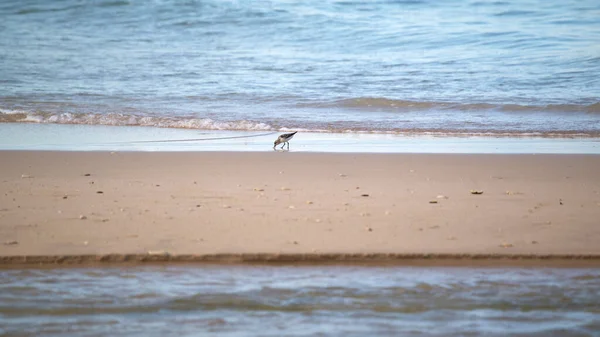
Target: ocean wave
{"x":16,"y":116}
{"x":184,"y":122}
{"x":375,"y":102}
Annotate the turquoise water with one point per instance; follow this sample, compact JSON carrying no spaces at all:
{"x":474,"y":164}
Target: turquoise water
{"x":299,"y":301}
{"x":519,"y":67}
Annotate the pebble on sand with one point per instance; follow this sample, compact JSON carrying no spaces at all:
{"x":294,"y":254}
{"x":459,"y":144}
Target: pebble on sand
{"x":433,"y":201}
{"x":368,"y":229}
{"x":26,"y":176}
{"x":82,"y":217}
{"x":364,"y":195}
{"x":506,"y":245}
{"x":309,"y":202}
{"x":476,"y":192}
{"x":10,"y":243}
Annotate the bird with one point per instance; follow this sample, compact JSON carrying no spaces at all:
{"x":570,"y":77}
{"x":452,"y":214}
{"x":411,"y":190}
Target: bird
{"x":285,"y":139}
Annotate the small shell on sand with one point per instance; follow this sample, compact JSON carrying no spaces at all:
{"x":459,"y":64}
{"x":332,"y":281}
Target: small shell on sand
{"x":368,"y":229}
{"x":292,"y":207}
{"x":158,"y":252}
{"x":259,"y":189}
{"x":226,"y":206}
{"x":309,"y":202}
{"x":506,"y":245}
{"x":26,"y":176}
{"x":441,"y":196}
{"x":364,"y":195}
{"x":82,"y":217}
{"x":476,"y":192}
{"x":11,"y":243}
{"x":285,"y":189}
{"x":433,"y":201}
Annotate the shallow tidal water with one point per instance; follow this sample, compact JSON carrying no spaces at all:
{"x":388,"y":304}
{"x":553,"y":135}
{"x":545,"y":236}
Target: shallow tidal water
{"x":192,"y":300}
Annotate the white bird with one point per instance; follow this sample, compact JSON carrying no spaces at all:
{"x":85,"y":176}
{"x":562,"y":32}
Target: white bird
{"x":285,"y":139}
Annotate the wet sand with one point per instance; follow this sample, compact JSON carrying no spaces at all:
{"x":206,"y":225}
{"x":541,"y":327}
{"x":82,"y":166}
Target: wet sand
{"x":219,"y":207}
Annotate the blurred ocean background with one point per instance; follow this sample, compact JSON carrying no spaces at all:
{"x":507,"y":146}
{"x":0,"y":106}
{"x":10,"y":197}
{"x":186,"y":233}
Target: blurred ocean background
{"x":299,"y":301}
{"x":449,"y":67}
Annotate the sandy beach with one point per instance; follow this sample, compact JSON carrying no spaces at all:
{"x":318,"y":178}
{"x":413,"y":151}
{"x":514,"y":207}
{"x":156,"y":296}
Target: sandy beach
{"x":199,"y":203}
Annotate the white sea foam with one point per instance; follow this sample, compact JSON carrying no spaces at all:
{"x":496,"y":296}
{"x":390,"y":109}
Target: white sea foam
{"x":14,"y":116}
{"x":114,"y":119}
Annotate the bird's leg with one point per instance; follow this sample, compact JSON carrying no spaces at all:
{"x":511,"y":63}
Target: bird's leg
{"x":288,"y":145}
{"x":282,"y":145}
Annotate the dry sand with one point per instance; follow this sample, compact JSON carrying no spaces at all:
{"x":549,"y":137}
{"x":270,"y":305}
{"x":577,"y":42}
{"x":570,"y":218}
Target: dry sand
{"x":91,"y":203}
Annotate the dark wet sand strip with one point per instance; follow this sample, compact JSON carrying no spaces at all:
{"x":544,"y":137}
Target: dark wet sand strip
{"x":439,"y":260}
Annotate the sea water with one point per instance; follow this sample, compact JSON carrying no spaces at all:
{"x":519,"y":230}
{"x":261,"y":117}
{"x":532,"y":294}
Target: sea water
{"x":384,"y":66}
{"x":194,"y":300}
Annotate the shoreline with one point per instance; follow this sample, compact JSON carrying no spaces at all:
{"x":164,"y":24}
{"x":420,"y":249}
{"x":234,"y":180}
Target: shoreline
{"x":266,"y":259}
{"x":100,"y":138}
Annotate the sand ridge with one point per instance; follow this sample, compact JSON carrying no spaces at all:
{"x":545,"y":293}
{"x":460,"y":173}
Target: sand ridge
{"x":203,"y":203}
